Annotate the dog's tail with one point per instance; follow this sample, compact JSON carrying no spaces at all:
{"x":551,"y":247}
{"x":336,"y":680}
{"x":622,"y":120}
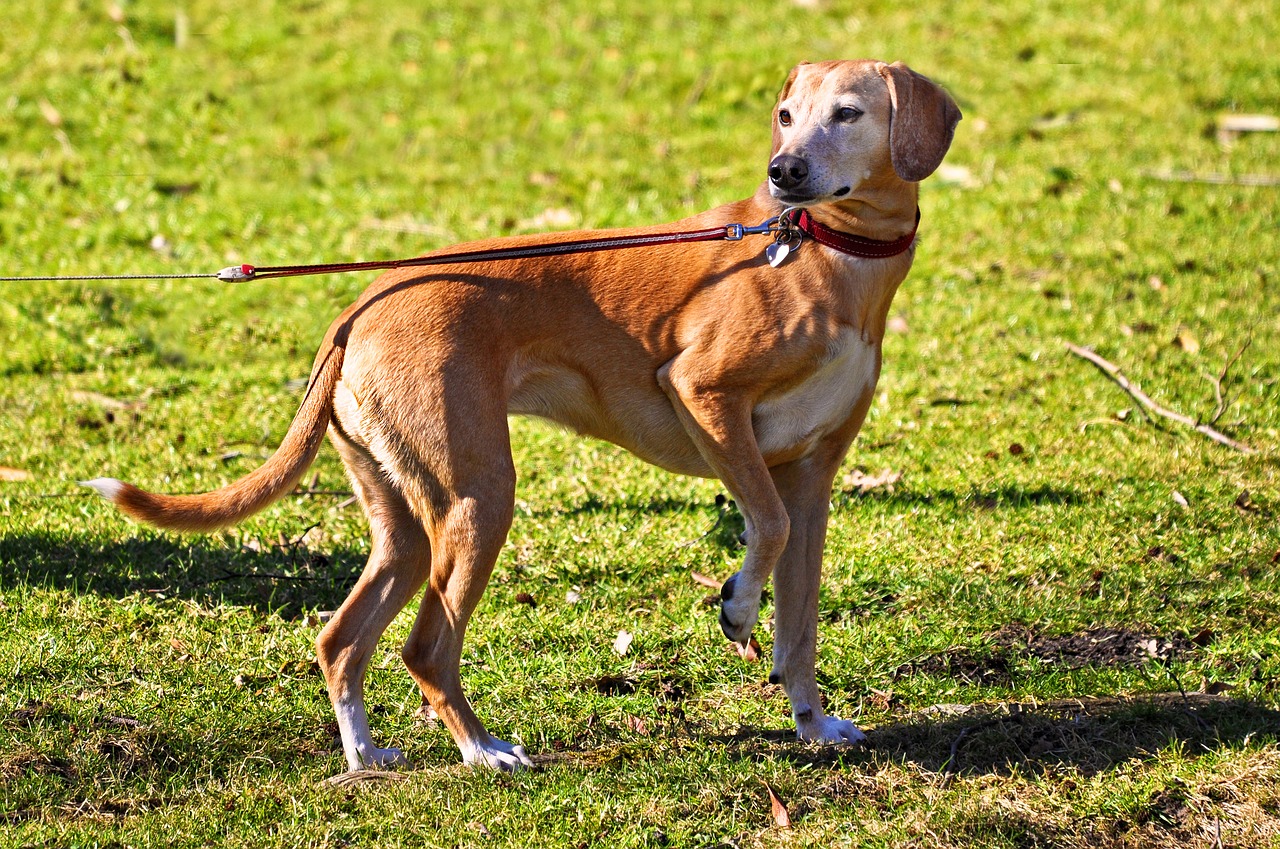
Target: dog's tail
{"x":254,"y":491}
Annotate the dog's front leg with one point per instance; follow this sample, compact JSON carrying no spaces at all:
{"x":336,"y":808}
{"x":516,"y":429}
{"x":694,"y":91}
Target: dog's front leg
{"x":805,"y":488}
{"x":719,"y":424}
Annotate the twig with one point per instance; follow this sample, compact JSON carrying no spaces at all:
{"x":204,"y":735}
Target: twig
{"x":1221,"y":404}
{"x":1214,"y":179}
{"x":1113,"y":371}
{"x":951,"y":767}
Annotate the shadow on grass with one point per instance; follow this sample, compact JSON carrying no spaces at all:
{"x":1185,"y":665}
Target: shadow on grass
{"x":290,"y":577}
{"x":1089,"y":735}
{"x":996,"y":498}
{"x":1002,"y":497}
{"x":286,"y":579}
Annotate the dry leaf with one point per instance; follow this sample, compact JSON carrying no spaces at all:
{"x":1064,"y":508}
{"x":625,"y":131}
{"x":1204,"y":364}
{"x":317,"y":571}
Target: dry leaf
{"x":50,"y":113}
{"x":636,"y":724}
{"x":1204,"y":637}
{"x":623,"y":643}
{"x":705,"y":580}
{"x":555,"y":218}
{"x":957,"y":175}
{"x":8,"y":474}
{"x":864,"y":483}
{"x":426,"y":714}
{"x":750,"y":652}
{"x":1180,"y":499}
{"x":1246,"y":503}
{"x":1186,"y":341}
{"x":780,"y":815}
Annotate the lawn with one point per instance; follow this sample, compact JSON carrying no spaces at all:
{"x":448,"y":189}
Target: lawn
{"x":1059,"y":624}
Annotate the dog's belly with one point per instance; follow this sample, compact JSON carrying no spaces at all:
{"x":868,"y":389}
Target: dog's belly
{"x":788,"y":424}
{"x":629,"y":414}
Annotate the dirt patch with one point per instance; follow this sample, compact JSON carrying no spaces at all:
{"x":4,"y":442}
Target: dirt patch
{"x":983,"y":669}
{"x":1105,"y":647}
{"x":994,"y":662}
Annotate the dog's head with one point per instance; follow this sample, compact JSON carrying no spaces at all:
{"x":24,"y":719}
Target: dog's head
{"x":838,"y":125}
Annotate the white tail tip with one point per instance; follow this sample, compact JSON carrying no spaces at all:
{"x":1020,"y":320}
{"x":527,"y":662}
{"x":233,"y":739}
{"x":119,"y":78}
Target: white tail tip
{"x":108,"y":488}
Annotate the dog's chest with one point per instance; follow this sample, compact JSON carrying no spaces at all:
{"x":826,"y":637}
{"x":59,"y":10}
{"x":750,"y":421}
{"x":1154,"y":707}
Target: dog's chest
{"x":821,"y":403}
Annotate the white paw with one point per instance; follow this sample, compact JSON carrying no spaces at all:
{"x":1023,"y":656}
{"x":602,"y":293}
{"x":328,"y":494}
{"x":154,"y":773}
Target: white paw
{"x":831,"y":731}
{"x":372,"y":758}
{"x":497,"y":754}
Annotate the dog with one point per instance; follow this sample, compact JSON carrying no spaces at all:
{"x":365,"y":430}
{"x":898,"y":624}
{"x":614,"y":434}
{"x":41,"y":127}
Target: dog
{"x":713,"y":359}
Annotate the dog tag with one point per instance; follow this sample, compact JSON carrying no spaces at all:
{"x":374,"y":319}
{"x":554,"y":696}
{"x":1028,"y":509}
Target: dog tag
{"x":776,"y":253}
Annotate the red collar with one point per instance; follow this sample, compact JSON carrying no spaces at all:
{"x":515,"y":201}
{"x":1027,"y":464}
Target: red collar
{"x":855,"y":245}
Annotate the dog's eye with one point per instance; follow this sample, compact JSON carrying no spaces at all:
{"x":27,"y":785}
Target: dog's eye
{"x":784,"y":117}
{"x":848,"y":113}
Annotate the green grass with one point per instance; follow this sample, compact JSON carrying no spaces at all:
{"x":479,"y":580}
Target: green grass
{"x":157,"y":690}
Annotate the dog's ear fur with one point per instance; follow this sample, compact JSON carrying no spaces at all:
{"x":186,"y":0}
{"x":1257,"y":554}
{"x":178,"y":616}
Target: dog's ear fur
{"x":782,"y":95}
{"x":922,"y":123}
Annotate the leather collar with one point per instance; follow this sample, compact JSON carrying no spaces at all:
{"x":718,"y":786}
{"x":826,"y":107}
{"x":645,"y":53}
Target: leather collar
{"x":852,"y":245}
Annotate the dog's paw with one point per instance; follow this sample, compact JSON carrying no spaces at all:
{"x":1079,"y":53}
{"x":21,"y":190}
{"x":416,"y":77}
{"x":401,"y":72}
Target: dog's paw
{"x":830,"y":731}
{"x":381,"y":759}
{"x":738,"y":611}
{"x":497,"y":754}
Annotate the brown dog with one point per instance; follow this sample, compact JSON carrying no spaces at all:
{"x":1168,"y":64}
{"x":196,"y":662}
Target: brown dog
{"x":703,"y":359}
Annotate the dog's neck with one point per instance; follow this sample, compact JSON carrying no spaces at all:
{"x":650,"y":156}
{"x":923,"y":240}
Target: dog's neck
{"x":882,"y":212}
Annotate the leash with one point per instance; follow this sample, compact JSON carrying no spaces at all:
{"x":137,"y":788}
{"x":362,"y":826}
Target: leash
{"x":789,"y":230}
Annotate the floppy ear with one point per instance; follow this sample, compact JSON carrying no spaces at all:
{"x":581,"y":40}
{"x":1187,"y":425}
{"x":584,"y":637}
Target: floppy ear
{"x":922,"y":122}
{"x":782,"y":95}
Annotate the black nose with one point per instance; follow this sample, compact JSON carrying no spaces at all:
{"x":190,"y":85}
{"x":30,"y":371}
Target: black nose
{"x":787,"y":171}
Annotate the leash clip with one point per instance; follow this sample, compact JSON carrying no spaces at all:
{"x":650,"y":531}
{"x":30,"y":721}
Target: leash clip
{"x":787,"y":226}
{"x":735,"y":232}
{"x":236,"y":273}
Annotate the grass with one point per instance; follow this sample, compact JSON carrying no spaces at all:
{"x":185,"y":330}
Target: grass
{"x":159,"y":690}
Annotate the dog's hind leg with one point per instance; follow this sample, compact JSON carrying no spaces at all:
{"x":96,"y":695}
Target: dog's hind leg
{"x":474,"y":502}
{"x":399,"y":561}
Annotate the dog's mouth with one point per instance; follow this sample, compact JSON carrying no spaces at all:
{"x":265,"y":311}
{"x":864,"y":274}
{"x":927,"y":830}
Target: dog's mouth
{"x":803,"y":200}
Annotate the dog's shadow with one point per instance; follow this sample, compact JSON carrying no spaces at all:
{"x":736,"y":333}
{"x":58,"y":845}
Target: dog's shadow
{"x":1087,"y":735}
{"x":286,"y":577}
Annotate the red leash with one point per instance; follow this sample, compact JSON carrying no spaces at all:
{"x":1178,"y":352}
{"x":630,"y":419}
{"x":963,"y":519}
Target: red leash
{"x":732,"y":232}
{"x":788,"y":229}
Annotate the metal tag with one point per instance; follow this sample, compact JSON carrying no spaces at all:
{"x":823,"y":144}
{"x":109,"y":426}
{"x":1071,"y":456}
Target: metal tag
{"x":776,"y":253}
